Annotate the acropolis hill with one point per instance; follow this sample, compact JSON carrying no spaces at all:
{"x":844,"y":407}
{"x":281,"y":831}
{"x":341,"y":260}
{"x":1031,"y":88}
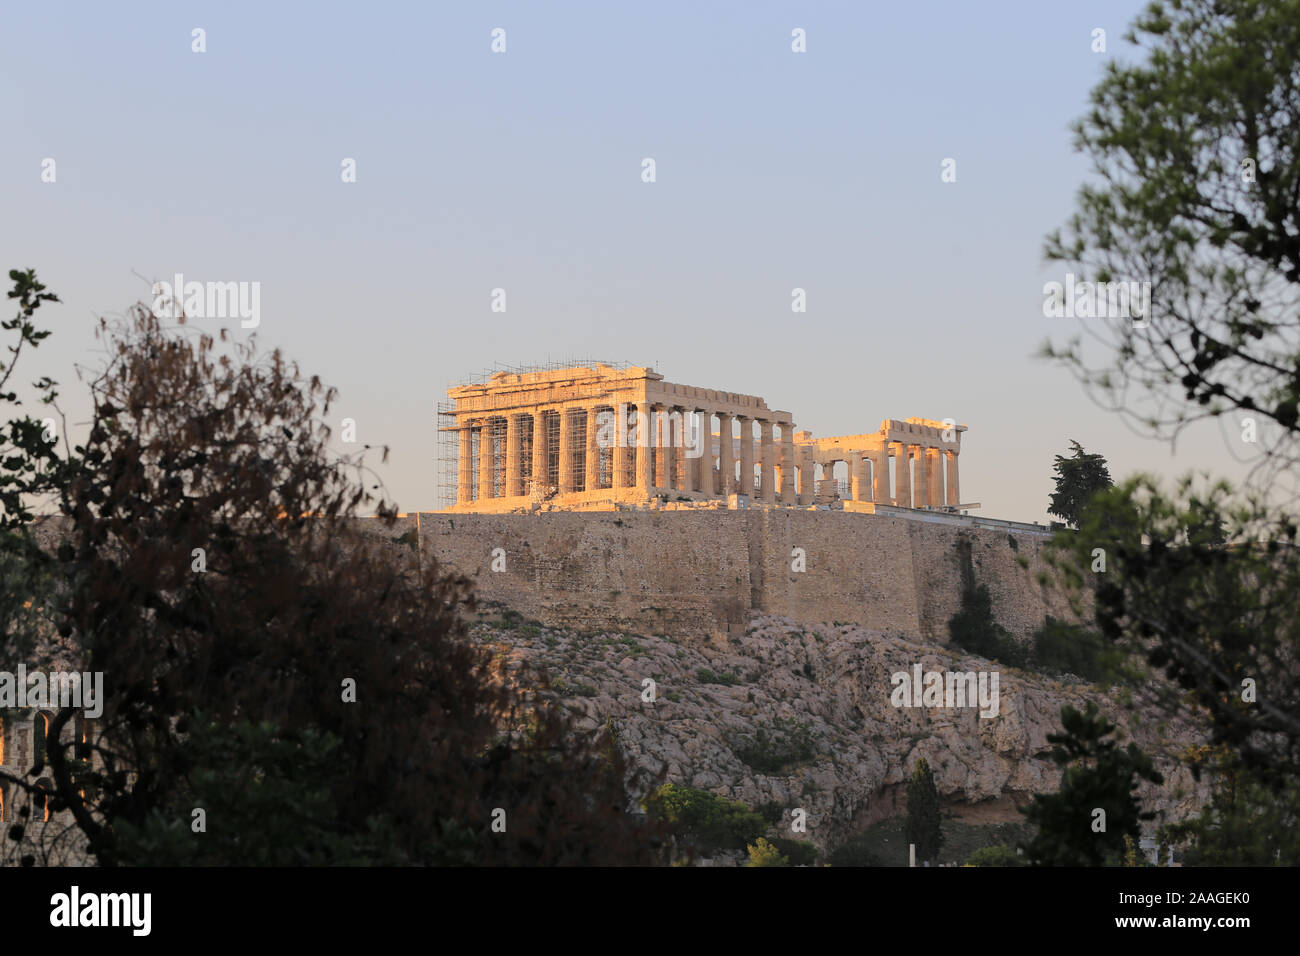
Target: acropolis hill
{"x":618,"y":527}
{"x":602,"y":496}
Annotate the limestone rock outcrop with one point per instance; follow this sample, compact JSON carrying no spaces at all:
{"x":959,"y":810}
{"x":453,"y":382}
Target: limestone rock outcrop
{"x":801,"y":716}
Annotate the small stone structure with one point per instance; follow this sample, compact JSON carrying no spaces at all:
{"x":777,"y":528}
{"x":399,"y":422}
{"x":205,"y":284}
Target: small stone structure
{"x":598,"y":436}
{"x":22,"y":745}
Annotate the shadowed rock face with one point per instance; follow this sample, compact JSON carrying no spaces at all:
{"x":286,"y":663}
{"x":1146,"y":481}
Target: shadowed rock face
{"x":823,"y":695}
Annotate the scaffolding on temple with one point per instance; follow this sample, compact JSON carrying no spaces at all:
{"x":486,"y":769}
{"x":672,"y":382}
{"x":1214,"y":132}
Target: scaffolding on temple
{"x":448,"y":449}
{"x":485,"y":376}
{"x":541,"y":475}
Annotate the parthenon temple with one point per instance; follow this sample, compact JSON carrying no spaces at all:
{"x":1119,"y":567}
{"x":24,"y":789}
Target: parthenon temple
{"x":600,"y":436}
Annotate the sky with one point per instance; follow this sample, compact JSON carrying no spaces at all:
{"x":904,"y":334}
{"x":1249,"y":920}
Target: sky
{"x":521,"y":170}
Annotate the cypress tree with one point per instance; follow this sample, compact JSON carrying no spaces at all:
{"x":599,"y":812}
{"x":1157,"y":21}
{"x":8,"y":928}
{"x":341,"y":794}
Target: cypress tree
{"x":923,"y":812}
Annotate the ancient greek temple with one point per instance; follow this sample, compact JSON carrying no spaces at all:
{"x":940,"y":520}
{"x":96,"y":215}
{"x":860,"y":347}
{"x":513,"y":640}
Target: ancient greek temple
{"x":596,"y":436}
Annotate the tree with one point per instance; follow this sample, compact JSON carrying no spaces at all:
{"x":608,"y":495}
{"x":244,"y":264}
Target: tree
{"x":203,"y":558}
{"x":1197,"y":161}
{"x":762,"y":853}
{"x":797,"y":852}
{"x":1078,"y":479}
{"x":1000,"y":855}
{"x":1197,"y":157}
{"x":974,"y":627}
{"x":701,"y":822}
{"x":1085,"y":822}
{"x":859,"y":850}
{"x":1213,"y":622}
{"x":1064,"y":648}
{"x":31,"y":464}
{"x":1244,"y":824}
{"x":923,"y":824}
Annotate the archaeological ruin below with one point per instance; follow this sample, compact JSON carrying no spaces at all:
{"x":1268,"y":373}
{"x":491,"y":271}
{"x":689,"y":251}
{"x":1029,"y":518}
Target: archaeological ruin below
{"x":597,"y":436}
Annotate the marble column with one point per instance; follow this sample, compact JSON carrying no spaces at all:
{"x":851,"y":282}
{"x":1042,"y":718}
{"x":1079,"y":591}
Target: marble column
{"x":767,"y":471}
{"x":726,"y":456}
{"x":645,"y":451}
{"x":465,"y":464}
{"x":485,"y":489}
{"x":954,"y":494}
{"x":514,"y":460}
{"x":679,"y":422}
{"x":787,"y":465}
{"x":922,"y":496}
{"x":591,"y":478}
{"x":880,"y":493}
{"x":903,"y":477}
{"x":746,"y":455}
{"x":807,"y":481}
{"x":702,"y":421}
{"x":565,"y":482}
{"x":934,"y":468}
{"x":659,"y":435}
{"x":856,"y":478}
{"x":621,"y":449}
{"x":541,"y":452}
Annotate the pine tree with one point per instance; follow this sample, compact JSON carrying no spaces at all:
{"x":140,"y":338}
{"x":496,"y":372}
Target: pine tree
{"x":923,"y":812}
{"x":1085,"y":823}
{"x":1077,"y":480}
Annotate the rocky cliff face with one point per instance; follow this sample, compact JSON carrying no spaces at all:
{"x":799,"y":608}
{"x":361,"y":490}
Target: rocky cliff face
{"x":801,"y":715}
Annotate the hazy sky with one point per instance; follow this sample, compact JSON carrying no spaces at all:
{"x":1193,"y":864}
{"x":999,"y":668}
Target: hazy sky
{"x":522,"y":170}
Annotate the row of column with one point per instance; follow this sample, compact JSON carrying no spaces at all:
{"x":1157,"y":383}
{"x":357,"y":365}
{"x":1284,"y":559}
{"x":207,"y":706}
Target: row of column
{"x":930,"y":476}
{"x":654,"y":461}
{"x":935,"y":484}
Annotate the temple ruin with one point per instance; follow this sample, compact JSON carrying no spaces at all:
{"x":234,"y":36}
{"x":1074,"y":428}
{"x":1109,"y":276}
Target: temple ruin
{"x":599,"y":436}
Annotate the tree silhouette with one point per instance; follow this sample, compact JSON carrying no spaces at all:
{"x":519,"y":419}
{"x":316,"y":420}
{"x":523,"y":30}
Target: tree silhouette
{"x":923,"y":824}
{"x":1196,"y":158}
{"x":1085,"y":822}
{"x":206,"y":562}
{"x":1197,"y":161}
{"x":1078,"y":479}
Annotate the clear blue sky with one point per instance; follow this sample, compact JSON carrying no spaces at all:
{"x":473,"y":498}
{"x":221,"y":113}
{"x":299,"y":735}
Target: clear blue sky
{"x":522,"y":171}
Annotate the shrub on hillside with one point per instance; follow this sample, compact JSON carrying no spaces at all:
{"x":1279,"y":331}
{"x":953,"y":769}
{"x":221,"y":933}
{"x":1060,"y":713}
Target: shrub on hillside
{"x":785,"y":743}
{"x":763,"y":853}
{"x":995,"y":856}
{"x":702,"y":821}
{"x":974,"y":628}
{"x":1064,"y":648}
{"x":798,"y":852}
{"x":855,"y":851}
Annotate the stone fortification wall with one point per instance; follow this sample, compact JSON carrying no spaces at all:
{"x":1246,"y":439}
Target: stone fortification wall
{"x":702,"y":573}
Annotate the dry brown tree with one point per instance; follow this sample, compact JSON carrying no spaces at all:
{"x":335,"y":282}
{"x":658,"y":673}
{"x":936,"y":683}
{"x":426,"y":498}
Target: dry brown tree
{"x":269,"y":658}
